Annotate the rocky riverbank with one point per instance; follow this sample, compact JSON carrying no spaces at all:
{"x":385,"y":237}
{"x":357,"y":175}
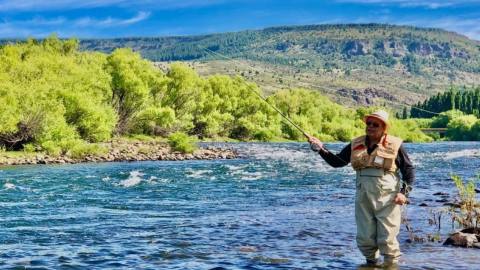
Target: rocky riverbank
{"x":122,"y":151}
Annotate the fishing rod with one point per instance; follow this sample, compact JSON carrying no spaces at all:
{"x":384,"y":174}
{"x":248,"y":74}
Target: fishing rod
{"x":266,"y":101}
{"x":291,"y":122}
{"x":329,"y":89}
{"x":404,"y":218}
{"x":275,"y":108}
{"x":282,"y":114}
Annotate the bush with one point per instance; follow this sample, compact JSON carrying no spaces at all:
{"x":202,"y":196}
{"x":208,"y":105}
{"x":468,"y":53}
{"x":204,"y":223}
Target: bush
{"x":459,"y":128}
{"x":468,"y":216}
{"x":51,"y":148}
{"x":29,"y":148}
{"x":182,"y":142}
{"x":153,"y":120}
{"x":442,"y":120}
{"x":408,"y":130}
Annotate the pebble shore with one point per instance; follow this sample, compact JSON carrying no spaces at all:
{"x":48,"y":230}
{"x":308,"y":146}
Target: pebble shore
{"x":125,"y":151}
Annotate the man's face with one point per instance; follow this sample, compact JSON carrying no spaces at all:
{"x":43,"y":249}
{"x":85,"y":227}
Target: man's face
{"x":374,"y":128}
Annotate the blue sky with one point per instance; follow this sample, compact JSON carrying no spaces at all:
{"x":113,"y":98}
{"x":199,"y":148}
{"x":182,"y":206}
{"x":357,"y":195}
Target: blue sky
{"x":121,"y":18}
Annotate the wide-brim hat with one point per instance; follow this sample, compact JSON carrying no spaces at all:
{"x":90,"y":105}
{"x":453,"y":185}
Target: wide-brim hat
{"x":380,"y":115}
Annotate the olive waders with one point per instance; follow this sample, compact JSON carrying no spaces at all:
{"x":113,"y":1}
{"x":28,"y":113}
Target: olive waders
{"x":377,"y":216}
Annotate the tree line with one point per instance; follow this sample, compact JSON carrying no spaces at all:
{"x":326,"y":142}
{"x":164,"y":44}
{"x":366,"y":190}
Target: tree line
{"x":56,"y":98}
{"x":464,"y":99}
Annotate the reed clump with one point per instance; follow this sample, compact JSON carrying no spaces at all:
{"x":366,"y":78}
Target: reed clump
{"x":466,"y":213}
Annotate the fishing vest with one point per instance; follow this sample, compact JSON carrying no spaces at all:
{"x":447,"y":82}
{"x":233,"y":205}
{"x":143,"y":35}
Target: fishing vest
{"x":383,"y":157}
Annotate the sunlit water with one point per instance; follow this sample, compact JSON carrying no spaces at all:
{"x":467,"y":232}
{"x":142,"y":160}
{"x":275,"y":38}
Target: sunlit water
{"x":278,"y":207}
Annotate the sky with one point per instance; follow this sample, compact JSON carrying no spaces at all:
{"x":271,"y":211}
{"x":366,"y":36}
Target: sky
{"x":122,"y":18}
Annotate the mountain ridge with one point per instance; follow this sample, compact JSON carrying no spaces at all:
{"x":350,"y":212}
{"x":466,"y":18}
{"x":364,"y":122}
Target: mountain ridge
{"x":402,"y":64}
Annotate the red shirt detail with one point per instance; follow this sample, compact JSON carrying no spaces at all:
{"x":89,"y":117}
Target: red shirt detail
{"x":359,"y":147}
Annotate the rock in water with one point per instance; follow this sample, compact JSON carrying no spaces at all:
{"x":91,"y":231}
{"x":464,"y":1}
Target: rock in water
{"x":462,"y":240}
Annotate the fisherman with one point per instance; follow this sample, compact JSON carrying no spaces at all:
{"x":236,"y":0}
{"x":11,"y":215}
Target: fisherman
{"x":376,"y":157}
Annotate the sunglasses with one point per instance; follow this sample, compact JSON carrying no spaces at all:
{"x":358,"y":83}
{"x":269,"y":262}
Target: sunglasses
{"x":372,"y":124}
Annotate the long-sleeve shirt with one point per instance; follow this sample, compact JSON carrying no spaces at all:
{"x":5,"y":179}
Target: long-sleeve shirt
{"x":402,"y":161}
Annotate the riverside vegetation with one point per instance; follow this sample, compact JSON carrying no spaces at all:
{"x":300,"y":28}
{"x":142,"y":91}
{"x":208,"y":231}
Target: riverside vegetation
{"x":459,"y":112}
{"x":62,"y":101}
{"x":464,"y":213}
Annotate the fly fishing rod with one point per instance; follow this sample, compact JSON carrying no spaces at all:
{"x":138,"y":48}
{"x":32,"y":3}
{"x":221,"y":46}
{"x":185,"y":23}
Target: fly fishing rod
{"x":264,"y":99}
{"x":291,"y":122}
{"x":286,"y":118}
{"x":329,"y":90}
{"x":281,"y":114}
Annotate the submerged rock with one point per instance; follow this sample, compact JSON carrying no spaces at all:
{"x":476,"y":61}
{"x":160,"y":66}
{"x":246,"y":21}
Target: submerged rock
{"x":452,"y":204}
{"x":248,"y":249}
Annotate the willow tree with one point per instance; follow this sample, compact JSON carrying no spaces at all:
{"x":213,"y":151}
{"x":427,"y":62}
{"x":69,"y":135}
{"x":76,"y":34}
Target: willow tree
{"x":132,"y":81}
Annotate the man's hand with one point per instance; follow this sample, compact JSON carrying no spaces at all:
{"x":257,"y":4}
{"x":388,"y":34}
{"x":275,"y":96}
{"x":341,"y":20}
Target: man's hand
{"x":315,"y":143}
{"x":400,"y":199}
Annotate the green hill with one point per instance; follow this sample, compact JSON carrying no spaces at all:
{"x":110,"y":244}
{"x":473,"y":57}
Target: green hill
{"x":353,"y":63}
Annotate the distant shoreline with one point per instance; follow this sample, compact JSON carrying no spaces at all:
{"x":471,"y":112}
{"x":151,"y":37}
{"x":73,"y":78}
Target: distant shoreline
{"x":118,"y":151}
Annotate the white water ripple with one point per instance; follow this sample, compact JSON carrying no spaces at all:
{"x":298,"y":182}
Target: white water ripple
{"x":9,"y":186}
{"x":296,"y":159}
{"x":462,"y":154}
{"x":133,"y":179}
{"x":198,"y":173}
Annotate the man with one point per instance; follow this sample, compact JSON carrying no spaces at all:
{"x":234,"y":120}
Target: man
{"x":376,"y":158}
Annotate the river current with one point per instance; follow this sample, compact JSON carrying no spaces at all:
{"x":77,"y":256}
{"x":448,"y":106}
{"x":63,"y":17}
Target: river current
{"x":279,"y":206}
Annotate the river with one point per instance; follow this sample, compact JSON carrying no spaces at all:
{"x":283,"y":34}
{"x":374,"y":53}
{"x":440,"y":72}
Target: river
{"x":278,"y":207}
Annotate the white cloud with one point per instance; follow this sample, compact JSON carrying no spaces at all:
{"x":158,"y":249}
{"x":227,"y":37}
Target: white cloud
{"x":142,"y":15}
{"x":110,"y":22}
{"x":35,"y":5}
{"x":26,"y":28}
{"x":41,"y":27}
{"x":469,"y":27}
{"x":433,"y":4}
{"x":45,"y":5}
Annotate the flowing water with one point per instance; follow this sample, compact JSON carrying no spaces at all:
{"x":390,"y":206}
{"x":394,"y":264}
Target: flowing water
{"x":278,"y":207}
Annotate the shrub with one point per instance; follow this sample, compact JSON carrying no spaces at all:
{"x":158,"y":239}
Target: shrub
{"x":468,"y":216}
{"x":459,"y":128}
{"x":29,"y":148}
{"x":182,"y":142}
{"x":51,"y":148}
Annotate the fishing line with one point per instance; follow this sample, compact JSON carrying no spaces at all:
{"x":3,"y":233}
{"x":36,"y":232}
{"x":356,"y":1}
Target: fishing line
{"x":276,"y":109}
{"x":404,"y":218}
{"x":271,"y":105}
{"x":332,"y":91}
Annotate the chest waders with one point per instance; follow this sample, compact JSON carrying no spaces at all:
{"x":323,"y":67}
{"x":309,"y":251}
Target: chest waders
{"x":378,"y":218}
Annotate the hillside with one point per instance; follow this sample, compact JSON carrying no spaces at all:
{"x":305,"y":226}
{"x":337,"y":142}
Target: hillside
{"x":352,"y":63}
